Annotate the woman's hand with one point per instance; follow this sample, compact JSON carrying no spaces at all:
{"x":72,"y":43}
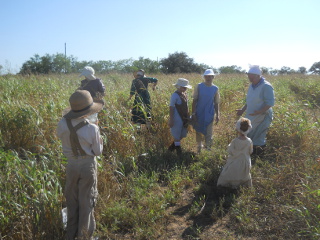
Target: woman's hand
{"x":154,"y":87}
{"x":240,"y":112}
{"x":217,"y":119}
{"x":255,"y":113}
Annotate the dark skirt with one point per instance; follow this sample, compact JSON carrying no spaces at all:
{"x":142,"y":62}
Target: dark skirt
{"x":141,"y":110}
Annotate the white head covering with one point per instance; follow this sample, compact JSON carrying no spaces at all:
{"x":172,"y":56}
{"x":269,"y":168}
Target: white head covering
{"x":238,"y":125}
{"x":182,"y":82}
{"x":140,"y":73}
{"x":208,"y":72}
{"x":88,"y":72}
{"x":254,"y":69}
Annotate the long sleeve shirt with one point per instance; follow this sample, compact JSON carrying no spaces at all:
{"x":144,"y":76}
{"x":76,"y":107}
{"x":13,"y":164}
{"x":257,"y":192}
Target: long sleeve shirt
{"x":89,"y":138}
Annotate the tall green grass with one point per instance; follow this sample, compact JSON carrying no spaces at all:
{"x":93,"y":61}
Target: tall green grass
{"x":137,"y":192}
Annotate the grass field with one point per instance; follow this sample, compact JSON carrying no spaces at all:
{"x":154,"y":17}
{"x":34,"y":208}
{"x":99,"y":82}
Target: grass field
{"x":160,"y":196}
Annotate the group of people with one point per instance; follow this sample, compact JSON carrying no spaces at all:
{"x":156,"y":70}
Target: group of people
{"x":81,"y":140}
{"x":252,"y":129}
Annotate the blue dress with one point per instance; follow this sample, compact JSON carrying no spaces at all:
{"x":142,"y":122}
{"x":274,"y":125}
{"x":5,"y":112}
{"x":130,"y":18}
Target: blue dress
{"x":205,"y":107}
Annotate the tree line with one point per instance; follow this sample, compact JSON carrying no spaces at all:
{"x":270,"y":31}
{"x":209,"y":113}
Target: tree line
{"x":178,"y":62}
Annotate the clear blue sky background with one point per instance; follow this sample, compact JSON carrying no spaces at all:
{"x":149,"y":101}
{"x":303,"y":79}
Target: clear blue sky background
{"x":270,"y":33}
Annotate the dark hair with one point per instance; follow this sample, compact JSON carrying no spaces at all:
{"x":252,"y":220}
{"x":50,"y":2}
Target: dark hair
{"x":244,"y":124}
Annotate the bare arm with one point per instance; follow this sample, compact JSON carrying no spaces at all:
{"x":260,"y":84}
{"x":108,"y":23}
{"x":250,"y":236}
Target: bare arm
{"x":260,"y":111}
{"x":171,"y":114}
{"x":216,"y":106}
{"x":242,"y":110}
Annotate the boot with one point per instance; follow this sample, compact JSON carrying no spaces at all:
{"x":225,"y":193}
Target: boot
{"x":258,"y":150}
{"x":171,"y":147}
{"x":199,"y":148}
{"x":179,"y":150}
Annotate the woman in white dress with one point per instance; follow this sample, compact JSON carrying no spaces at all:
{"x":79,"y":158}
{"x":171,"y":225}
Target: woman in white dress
{"x":236,"y":171}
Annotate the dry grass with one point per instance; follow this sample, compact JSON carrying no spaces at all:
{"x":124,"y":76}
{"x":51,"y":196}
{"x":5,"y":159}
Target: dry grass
{"x":139,"y":197}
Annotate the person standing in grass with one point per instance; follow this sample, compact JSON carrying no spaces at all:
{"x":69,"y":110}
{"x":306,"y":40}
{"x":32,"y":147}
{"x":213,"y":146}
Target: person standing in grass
{"x":81,"y":142}
{"x":259,"y":102}
{"x":141,"y":111}
{"x":236,"y":171}
{"x":179,"y":114}
{"x":94,"y":85}
{"x":205,"y":106}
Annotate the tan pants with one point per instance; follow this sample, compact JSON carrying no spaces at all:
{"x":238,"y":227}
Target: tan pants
{"x":208,"y":137}
{"x":81,"y":193}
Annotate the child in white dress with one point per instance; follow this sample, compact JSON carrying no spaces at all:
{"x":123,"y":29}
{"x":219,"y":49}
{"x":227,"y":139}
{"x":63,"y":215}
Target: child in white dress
{"x":179,"y":114}
{"x":236,"y":171}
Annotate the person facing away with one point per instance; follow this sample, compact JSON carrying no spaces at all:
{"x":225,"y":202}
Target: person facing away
{"x":236,"y":172}
{"x":205,"y":106}
{"x":179,"y":114}
{"x":92,"y":84}
{"x":141,"y":111}
{"x":259,"y":102}
{"x":95,"y":86}
{"x":81,"y":142}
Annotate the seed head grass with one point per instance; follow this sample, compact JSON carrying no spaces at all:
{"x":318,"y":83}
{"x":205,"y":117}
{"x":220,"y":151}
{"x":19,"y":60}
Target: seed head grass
{"x":140,"y":182}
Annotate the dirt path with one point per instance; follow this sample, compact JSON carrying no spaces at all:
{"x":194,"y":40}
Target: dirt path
{"x":202,"y":225}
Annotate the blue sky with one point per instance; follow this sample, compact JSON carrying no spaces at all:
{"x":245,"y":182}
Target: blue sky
{"x":270,"y":33}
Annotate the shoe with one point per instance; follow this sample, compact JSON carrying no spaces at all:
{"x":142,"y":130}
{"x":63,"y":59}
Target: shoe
{"x":172,"y":147}
{"x":199,"y":148}
{"x":179,"y":150}
{"x":258,"y":150}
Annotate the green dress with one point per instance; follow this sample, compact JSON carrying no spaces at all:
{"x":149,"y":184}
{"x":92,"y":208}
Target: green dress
{"x":141,"y":110}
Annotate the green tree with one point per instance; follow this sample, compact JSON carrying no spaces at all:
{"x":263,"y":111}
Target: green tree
{"x":286,"y":70}
{"x":103,"y":66}
{"x":47,"y":64}
{"x":264,"y":70}
{"x":60,"y":63}
{"x":146,"y":64}
{"x":273,"y":71}
{"x":179,"y":62}
{"x":230,"y":69}
{"x":315,"y":68}
{"x":302,"y":70}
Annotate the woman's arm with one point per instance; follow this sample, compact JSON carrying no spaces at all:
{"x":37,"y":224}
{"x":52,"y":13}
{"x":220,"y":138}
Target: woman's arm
{"x":216,"y":106}
{"x":242,"y":110}
{"x":171,"y":119}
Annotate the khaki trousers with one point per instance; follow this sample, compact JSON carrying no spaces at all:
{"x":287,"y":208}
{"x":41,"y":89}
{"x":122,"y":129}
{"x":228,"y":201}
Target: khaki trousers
{"x":81,"y":193}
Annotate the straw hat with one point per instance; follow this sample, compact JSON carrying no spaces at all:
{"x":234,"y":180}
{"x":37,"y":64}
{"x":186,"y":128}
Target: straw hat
{"x":88,"y":72}
{"x":182,"y":82}
{"x":81,"y":104}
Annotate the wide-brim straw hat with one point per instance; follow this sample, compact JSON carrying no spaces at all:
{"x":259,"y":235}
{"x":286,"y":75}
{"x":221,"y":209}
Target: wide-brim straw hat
{"x":182,"y":82}
{"x":82,"y":104}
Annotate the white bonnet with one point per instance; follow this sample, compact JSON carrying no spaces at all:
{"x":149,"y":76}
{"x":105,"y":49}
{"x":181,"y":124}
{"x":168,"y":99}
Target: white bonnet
{"x":254,"y":69}
{"x":238,"y":125}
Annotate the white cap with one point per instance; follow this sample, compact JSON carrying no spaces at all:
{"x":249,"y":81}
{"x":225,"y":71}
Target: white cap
{"x":254,"y":69}
{"x":88,"y":72}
